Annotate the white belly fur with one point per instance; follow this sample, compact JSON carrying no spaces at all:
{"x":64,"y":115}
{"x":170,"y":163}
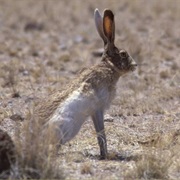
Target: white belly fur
{"x":72,"y":113}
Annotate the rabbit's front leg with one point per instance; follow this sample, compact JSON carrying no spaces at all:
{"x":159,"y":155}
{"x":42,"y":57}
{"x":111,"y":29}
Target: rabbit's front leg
{"x":98,"y":120}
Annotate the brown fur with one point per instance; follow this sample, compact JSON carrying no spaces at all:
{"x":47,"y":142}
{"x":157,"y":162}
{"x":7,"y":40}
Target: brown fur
{"x":95,"y":76}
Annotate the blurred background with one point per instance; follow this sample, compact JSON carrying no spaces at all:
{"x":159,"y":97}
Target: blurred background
{"x":48,"y":42}
{"x":45,"y":43}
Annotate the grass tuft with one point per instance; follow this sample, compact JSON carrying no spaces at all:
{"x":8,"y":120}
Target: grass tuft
{"x":86,"y":169}
{"x":153,"y":166}
{"x":35,"y":157}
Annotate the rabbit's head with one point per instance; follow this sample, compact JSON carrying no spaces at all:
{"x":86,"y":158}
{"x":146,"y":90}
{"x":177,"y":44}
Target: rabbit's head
{"x":119,"y":58}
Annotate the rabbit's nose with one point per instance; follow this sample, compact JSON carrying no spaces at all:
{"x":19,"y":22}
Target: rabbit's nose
{"x":133,"y":62}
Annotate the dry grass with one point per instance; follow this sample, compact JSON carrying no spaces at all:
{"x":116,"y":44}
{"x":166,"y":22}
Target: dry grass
{"x":43,"y":47}
{"x":36,"y":159}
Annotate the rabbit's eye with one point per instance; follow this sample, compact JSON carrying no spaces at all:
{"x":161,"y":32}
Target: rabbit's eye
{"x":123,"y":54}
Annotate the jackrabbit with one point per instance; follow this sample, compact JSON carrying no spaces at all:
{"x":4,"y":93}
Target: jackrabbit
{"x":91,"y":92}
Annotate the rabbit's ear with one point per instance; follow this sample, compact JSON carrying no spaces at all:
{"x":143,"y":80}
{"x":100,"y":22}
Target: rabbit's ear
{"x":109,"y":25}
{"x":99,"y":25}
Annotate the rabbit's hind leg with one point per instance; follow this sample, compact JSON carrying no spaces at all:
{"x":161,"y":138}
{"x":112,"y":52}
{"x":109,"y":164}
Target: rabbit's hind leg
{"x":69,"y":129}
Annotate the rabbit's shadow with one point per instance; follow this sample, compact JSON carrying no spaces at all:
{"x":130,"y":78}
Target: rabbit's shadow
{"x":118,"y":156}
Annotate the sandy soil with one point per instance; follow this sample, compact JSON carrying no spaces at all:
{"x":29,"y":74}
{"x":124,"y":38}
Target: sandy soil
{"x":43,"y":44}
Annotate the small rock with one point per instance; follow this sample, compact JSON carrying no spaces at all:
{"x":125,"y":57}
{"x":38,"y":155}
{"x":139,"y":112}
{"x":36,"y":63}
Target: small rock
{"x":16,"y":95}
{"x":31,"y":26}
{"x":78,"y":39}
{"x":65,"y":57}
{"x":35,"y":53}
{"x":108,"y":118}
{"x":16,"y":117}
{"x":98,"y":52}
{"x":62,"y":46}
{"x":25,"y":72}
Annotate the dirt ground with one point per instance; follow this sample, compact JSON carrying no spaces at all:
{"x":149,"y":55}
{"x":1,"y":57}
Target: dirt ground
{"x":43,"y":45}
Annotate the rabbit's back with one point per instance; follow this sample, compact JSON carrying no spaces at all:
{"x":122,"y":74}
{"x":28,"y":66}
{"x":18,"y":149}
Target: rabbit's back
{"x":93,"y":89}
